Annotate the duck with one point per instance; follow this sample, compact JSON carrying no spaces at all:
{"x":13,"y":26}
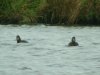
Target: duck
{"x":18,"y":39}
{"x":73,"y":42}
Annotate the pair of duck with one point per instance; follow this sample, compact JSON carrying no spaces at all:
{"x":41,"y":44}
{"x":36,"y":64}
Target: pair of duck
{"x":72,"y":43}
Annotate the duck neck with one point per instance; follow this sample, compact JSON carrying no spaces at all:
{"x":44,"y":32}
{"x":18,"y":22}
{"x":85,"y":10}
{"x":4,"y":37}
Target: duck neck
{"x":73,"y":40}
{"x":19,"y":40}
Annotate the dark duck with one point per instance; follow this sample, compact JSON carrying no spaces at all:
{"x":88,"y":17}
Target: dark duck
{"x":73,"y":42}
{"x":18,"y":39}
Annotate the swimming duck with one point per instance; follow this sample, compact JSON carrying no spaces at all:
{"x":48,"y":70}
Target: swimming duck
{"x":73,"y":42}
{"x":18,"y":39}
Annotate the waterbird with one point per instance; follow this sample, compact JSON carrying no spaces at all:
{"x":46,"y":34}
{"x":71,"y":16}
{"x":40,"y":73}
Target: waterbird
{"x":73,"y":42}
{"x":18,"y":39}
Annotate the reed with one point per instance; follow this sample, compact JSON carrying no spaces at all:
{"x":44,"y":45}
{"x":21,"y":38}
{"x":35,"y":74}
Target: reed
{"x":66,"y":12}
{"x":62,"y":11}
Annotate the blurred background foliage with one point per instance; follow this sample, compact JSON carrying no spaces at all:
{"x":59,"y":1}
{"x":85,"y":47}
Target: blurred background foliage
{"x":61,"y":12}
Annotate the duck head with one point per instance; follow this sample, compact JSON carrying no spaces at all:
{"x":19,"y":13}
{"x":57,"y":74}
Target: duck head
{"x":73,"y":39}
{"x":18,"y":39}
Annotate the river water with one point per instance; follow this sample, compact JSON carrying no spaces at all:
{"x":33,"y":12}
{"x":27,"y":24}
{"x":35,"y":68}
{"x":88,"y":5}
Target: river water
{"x":47,"y":53}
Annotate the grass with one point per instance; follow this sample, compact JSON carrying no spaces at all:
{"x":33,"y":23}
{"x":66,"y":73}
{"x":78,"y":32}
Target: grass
{"x":68,"y":12}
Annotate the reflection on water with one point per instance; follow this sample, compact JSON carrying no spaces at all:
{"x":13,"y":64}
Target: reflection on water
{"x":47,"y":52}
{"x":25,"y":68}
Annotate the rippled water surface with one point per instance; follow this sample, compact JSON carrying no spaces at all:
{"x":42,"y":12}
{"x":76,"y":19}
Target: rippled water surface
{"x":47,"y":52}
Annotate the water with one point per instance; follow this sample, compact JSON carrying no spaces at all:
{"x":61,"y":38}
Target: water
{"x":47,"y":52}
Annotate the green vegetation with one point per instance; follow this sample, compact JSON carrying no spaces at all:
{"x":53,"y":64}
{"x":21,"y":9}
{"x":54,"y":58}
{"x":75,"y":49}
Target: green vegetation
{"x":67,"y":12}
